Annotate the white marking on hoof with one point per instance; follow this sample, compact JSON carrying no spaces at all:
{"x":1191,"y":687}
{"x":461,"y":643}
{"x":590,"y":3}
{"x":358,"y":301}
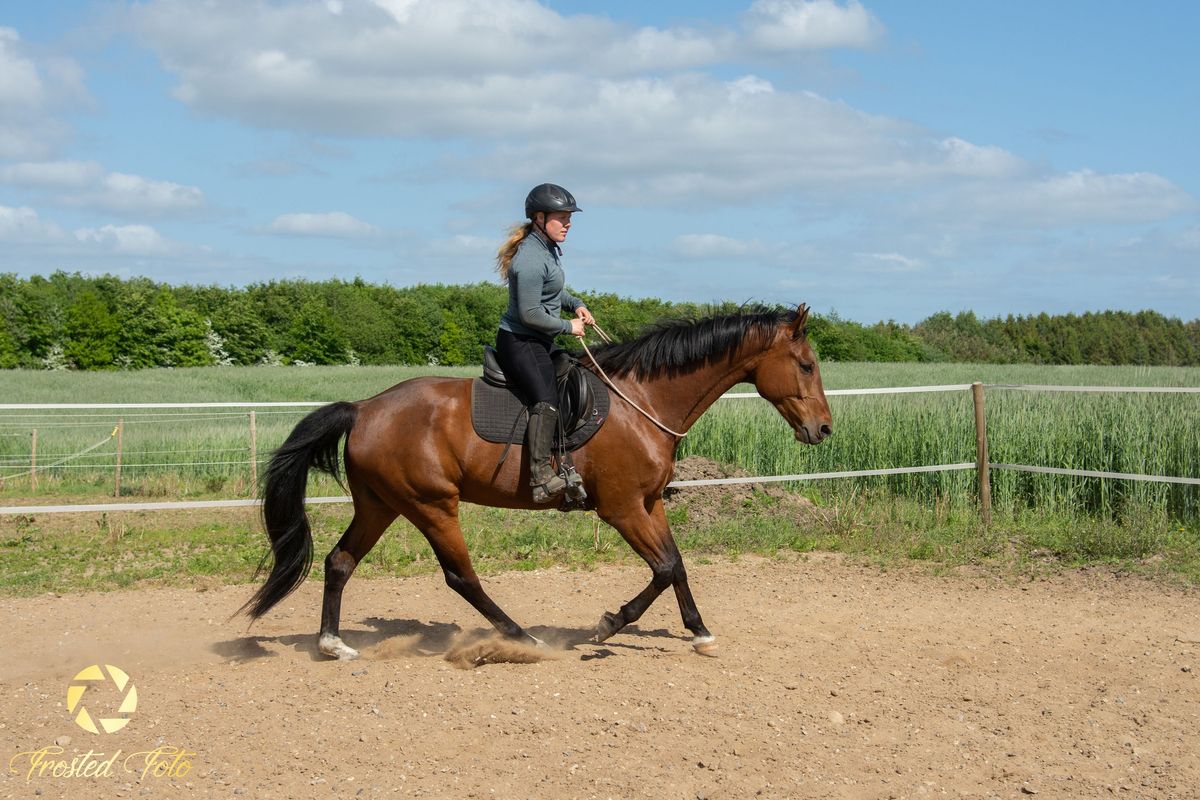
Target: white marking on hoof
{"x":334,"y":647}
{"x":538,"y":643}
{"x":705,"y":645}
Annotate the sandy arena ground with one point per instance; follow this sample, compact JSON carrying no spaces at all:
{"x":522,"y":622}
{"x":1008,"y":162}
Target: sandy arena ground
{"x":833,"y":681}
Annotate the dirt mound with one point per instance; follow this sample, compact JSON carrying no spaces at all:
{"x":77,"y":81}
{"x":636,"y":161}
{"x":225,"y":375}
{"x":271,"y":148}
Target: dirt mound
{"x":717,"y":501}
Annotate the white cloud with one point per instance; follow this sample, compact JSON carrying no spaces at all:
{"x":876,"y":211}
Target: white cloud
{"x":335,"y":224}
{"x":122,"y":192}
{"x":691,"y":138}
{"x":131,"y":240}
{"x":25,"y":227}
{"x":53,"y":174}
{"x":966,"y":159}
{"x":893,"y":262}
{"x":470,"y":245}
{"x":536,"y":89}
{"x":20,"y":83}
{"x":784,"y":25}
{"x":22,"y":225}
{"x":704,"y":246}
{"x":1081,"y":197}
{"x":87,"y":184}
{"x":1089,"y":196}
{"x":412,"y":67}
{"x":630,"y":116}
{"x":30,"y":89}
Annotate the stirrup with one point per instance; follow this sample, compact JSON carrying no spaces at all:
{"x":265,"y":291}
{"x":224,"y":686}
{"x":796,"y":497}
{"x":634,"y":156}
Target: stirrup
{"x":545,"y":492}
{"x":575,"y":491}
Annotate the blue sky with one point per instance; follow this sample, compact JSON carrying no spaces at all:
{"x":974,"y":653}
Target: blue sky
{"x":885,"y":160}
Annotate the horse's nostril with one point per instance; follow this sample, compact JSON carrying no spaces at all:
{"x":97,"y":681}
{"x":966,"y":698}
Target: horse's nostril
{"x":826,"y":431}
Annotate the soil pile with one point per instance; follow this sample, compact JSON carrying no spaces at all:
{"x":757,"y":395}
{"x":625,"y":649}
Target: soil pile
{"x":718,"y":501}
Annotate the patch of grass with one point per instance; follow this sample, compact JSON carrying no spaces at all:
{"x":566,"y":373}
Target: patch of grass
{"x":82,"y":552}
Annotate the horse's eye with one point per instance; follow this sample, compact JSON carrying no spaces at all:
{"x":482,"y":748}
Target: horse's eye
{"x":807,"y":369}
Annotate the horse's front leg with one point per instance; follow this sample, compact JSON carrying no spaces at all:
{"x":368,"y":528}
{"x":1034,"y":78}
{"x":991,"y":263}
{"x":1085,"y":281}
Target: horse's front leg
{"x":649,"y":535}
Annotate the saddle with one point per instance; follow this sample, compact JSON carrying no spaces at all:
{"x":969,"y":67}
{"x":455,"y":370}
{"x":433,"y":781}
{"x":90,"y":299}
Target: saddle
{"x":498,"y":415}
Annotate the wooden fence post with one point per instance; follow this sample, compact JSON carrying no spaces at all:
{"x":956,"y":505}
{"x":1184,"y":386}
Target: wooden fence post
{"x":120,"y":438}
{"x":253,"y":455}
{"x":33,"y":462}
{"x":981,"y":455}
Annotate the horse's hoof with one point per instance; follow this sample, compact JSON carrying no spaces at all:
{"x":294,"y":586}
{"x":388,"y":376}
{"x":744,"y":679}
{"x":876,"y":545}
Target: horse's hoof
{"x":538,"y":643}
{"x":608,"y":625}
{"x":334,"y":647}
{"x":705,"y":645}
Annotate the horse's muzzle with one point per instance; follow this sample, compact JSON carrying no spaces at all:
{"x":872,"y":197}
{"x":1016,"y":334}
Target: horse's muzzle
{"x":813,"y":434}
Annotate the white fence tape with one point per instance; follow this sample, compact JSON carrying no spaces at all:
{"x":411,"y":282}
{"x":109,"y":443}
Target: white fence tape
{"x":957,"y":387}
{"x":812,"y":476}
{"x":1036,"y":387}
{"x":951,"y":387}
{"x":190,"y":504}
{"x":1089,"y":473}
{"x":116,"y":406}
{"x":164,"y":506}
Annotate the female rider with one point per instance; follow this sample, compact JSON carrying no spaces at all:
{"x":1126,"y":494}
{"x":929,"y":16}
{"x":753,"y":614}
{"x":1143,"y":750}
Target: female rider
{"x":529,"y":262}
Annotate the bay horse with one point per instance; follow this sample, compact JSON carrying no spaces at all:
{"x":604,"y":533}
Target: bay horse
{"x":411,"y":451}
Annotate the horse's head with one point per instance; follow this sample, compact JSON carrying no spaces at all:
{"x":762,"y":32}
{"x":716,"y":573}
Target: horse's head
{"x":787,"y":374}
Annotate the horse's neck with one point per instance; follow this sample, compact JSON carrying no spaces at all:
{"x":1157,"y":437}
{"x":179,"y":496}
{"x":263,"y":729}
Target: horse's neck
{"x":679,"y":400}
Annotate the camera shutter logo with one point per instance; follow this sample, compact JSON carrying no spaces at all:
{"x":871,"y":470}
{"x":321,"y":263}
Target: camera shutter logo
{"x":93,"y":676}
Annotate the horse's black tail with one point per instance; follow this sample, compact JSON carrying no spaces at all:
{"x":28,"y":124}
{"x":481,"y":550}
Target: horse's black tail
{"x":313,"y":443}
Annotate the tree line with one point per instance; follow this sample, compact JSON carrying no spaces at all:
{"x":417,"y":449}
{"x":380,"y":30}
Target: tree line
{"x":74,"y":321}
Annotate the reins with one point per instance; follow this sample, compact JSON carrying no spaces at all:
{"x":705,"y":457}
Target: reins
{"x":608,"y":382}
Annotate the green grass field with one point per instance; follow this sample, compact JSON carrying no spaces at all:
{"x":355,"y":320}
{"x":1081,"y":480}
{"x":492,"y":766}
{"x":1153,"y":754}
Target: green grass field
{"x":1039,"y":520}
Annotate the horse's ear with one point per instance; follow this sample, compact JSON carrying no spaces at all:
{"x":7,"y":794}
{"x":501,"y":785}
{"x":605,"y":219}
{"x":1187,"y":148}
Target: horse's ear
{"x":799,"y":326}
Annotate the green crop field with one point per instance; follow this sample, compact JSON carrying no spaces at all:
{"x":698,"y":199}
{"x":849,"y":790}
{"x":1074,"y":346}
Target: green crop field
{"x":1040,"y":520}
{"x":206,"y":452}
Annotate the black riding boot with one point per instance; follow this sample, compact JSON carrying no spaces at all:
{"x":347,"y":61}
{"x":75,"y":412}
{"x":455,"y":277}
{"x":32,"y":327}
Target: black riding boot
{"x":543,"y":422}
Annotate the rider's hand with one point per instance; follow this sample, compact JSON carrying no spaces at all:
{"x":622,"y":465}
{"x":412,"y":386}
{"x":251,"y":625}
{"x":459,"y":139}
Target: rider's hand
{"x":585,"y":315}
{"x":577,"y":327}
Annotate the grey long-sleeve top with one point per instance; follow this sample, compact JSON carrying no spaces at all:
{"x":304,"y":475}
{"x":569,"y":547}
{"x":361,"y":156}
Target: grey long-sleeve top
{"x":536,"y":291}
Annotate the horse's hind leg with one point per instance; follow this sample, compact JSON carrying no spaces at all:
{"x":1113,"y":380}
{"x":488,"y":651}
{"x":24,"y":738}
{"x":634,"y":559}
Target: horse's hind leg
{"x":371,"y":519}
{"x":649,"y":535}
{"x":439,"y":522}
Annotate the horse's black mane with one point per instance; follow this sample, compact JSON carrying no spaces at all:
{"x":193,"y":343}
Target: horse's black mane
{"x":677,"y":345}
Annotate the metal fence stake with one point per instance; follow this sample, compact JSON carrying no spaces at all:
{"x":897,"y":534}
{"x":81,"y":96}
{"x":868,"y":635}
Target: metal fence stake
{"x":981,"y":455}
{"x":120,"y":438}
{"x":253,"y":454}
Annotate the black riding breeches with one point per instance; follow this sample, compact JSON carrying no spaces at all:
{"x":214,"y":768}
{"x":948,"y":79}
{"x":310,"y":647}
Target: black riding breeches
{"x":528,"y":366}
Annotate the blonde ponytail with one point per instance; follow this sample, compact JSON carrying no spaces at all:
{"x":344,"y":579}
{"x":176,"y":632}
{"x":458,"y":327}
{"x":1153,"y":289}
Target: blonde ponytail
{"x":507,"y":250}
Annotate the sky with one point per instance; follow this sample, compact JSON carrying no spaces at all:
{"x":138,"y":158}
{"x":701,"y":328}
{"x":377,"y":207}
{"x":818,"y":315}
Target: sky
{"x":878,"y":159}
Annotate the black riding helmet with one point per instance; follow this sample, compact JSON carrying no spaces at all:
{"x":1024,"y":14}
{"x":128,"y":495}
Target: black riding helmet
{"x":549,"y":197}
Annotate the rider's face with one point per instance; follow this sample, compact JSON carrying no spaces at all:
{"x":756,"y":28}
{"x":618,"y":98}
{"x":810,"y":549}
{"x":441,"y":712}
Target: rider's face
{"x":556,"y":224}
